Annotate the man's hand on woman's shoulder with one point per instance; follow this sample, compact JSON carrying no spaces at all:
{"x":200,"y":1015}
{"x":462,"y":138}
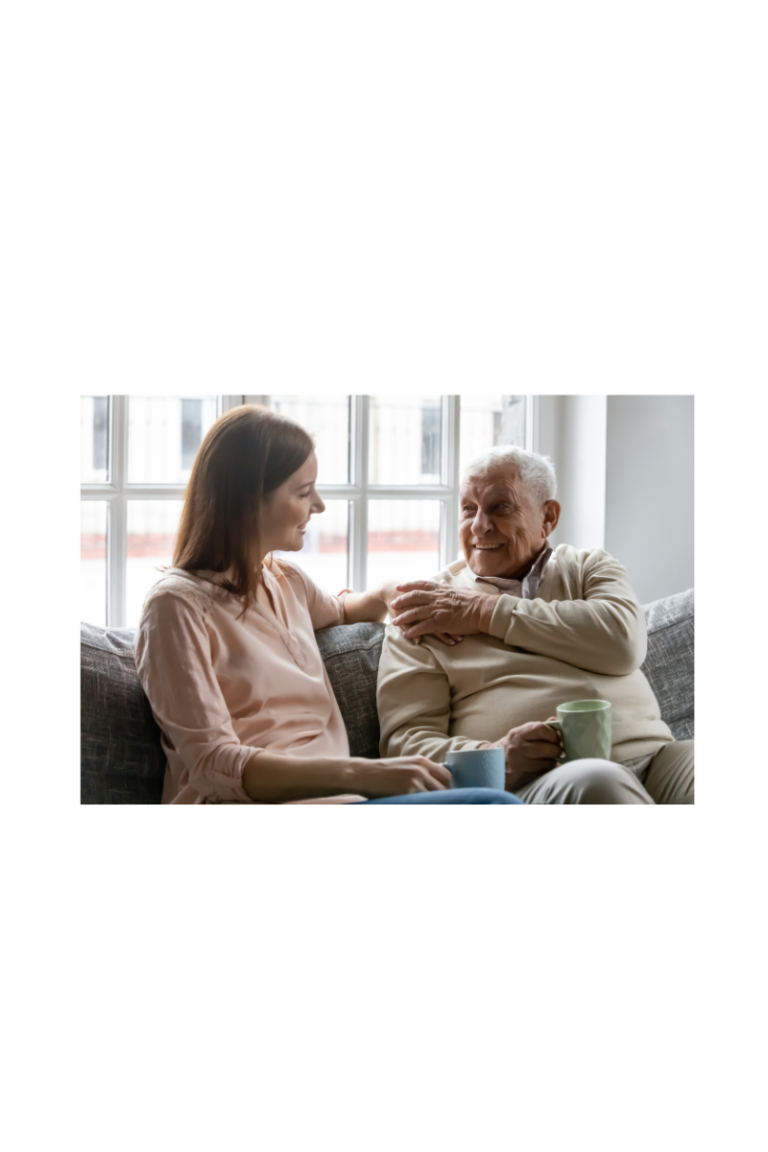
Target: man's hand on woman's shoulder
{"x":428,"y":608}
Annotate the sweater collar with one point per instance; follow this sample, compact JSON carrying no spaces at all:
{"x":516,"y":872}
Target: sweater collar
{"x":525,"y":585}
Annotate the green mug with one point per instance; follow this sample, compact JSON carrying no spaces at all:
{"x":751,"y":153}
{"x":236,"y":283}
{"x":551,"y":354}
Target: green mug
{"x":585,"y":727}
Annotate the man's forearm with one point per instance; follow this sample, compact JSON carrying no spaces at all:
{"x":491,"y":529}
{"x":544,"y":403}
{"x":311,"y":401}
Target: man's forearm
{"x":600,"y":636}
{"x":485,"y":612}
{"x":422,"y":741}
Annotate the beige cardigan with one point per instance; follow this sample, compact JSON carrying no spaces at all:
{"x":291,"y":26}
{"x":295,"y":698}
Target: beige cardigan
{"x":582,"y":637}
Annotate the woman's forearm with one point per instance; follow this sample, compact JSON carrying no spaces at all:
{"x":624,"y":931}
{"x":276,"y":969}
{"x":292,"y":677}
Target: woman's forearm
{"x":274,"y":777}
{"x":361,"y":607}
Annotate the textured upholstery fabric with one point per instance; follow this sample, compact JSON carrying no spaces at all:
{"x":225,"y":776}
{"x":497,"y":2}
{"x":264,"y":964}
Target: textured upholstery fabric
{"x":669,"y":663}
{"x":351,"y":655}
{"x":122,"y":758}
{"x":122,"y":761}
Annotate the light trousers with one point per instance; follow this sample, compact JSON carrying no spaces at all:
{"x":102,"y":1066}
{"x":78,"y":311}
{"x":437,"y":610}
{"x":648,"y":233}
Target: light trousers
{"x":667,"y":779}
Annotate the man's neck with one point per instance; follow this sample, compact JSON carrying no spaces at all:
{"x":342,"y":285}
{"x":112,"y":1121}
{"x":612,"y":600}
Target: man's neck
{"x":524,"y":569}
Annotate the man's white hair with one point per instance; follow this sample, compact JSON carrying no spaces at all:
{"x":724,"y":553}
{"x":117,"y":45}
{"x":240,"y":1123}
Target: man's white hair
{"x":537,"y":473}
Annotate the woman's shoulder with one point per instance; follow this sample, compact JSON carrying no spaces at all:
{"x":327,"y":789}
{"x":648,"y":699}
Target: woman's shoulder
{"x":177,"y":585}
{"x":280,"y":568}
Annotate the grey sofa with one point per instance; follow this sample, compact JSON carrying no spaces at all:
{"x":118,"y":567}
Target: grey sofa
{"x":122,"y":761}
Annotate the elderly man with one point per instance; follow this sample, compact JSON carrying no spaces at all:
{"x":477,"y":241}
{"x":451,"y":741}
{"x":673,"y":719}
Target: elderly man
{"x":481,"y":656}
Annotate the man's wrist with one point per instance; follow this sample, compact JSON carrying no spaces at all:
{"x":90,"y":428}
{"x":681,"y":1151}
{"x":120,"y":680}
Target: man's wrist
{"x":485,"y":612}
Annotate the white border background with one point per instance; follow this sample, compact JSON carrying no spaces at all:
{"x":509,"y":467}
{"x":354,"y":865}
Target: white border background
{"x":334,"y":197}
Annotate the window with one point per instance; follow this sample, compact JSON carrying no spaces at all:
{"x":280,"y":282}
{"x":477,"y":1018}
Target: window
{"x":191,"y":431}
{"x":430,"y":443}
{"x":100,"y":450}
{"x":389,"y":471}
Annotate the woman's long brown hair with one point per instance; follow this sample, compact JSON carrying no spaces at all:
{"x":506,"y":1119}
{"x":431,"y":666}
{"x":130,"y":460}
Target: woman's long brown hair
{"x":245,"y":455}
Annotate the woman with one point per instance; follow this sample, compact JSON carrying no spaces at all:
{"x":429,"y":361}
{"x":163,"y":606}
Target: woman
{"x":225,"y":647}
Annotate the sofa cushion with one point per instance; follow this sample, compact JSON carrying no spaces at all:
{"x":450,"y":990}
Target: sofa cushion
{"x":121,"y":756}
{"x":670,"y":660}
{"x":351,"y":654}
{"x":122,"y":761}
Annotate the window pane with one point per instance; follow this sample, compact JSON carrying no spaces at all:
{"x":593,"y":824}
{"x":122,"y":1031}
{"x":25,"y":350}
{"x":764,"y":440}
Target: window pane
{"x":191,"y":431}
{"x":405,"y":442}
{"x":164,"y":434}
{"x":403,"y":540}
{"x":93,"y":562}
{"x":152,"y":527}
{"x":328,"y":421}
{"x":94,"y":439}
{"x":490,"y":420}
{"x":324,"y":555}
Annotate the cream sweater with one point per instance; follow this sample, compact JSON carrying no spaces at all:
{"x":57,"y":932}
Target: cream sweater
{"x":583,"y":637}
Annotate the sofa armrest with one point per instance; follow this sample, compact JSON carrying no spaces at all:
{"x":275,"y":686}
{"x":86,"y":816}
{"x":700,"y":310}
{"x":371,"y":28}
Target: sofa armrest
{"x":669,"y":665}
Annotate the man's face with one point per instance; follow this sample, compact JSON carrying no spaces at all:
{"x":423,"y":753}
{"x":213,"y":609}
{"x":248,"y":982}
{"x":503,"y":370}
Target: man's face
{"x":501,"y":527}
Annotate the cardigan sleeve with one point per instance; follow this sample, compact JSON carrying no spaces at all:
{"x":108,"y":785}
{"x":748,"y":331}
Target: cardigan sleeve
{"x":173,"y":659}
{"x":601,"y":629}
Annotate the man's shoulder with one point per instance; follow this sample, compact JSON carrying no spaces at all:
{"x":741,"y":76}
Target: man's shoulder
{"x":572,"y":567}
{"x":565,"y":555}
{"x":456,"y":573}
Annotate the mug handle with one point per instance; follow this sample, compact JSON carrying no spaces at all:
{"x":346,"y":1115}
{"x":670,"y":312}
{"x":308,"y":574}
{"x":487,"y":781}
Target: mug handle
{"x":557,"y":727}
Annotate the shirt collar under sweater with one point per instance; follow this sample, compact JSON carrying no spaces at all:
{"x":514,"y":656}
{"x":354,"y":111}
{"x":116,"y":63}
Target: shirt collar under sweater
{"x":528,"y":585}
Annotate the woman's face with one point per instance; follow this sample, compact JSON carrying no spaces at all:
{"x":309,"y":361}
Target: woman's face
{"x":287,"y":510}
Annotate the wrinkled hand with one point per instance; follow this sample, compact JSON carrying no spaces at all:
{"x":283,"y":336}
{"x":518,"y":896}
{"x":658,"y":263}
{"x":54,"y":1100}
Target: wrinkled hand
{"x":529,"y":751}
{"x":429,"y":608}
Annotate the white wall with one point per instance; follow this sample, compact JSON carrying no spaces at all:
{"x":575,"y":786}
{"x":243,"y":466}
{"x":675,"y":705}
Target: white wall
{"x":572,"y":431}
{"x":650,"y":491}
{"x":625,"y":480}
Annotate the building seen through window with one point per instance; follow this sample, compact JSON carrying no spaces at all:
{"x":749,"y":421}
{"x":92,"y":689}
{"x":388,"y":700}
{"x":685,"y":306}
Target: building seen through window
{"x":191,"y":431}
{"x":100,"y":433}
{"x":390,"y":522}
{"x":430,"y":442}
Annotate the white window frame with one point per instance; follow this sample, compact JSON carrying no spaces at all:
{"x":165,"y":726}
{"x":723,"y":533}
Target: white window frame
{"x":117,"y":492}
{"x":358,"y":492}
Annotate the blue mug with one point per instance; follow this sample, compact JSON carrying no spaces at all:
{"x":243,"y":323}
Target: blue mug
{"x":476,"y":768}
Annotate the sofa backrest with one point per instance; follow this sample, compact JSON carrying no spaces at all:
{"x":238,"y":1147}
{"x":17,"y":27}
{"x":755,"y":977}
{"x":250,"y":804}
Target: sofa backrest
{"x":669,"y":664}
{"x":122,"y":761}
{"x":122,"y":758}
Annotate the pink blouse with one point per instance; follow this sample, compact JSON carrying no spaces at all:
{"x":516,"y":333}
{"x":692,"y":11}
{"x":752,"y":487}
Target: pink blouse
{"x":222,"y":688}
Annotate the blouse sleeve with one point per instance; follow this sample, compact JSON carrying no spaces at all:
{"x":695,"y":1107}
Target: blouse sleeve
{"x":325,"y":609}
{"x":173,"y":659}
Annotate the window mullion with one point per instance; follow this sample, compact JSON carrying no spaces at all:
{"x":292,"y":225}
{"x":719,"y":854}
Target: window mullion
{"x":359,"y":542}
{"x":118,"y":514}
{"x":224,"y":403}
{"x":449,"y":520}
{"x":532,"y":423}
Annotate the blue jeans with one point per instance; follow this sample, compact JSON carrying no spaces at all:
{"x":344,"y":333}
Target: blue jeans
{"x":450,"y":796}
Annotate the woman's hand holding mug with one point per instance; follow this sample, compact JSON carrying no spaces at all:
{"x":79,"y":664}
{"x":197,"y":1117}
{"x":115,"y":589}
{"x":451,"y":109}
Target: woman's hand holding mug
{"x":398,"y":776}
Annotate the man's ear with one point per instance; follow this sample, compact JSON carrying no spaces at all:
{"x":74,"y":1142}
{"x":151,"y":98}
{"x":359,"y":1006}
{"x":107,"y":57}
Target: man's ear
{"x":551,"y":516}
